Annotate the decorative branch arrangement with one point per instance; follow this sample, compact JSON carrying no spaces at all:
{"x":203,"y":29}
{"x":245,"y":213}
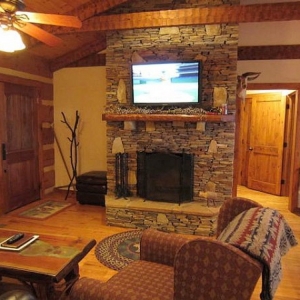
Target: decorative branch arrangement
{"x":73,"y":148}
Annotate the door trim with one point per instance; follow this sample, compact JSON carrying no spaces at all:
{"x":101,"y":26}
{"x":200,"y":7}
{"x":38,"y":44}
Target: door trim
{"x":294,"y":180}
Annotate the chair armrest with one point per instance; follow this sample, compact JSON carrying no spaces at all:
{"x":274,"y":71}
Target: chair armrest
{"x":214,"y":270}
{"x":230,"y":209}
{"x":160,"y":247}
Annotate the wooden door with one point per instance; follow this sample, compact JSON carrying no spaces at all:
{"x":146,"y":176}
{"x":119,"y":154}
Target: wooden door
{"x":20,"y":146}
{"x":243,"y":140}
{"x":266,"y":142}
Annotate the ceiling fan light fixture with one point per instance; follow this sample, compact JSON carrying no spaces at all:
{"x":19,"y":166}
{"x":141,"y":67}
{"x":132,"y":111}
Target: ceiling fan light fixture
{"x":10,"y":40}
{"x":12,"y":5}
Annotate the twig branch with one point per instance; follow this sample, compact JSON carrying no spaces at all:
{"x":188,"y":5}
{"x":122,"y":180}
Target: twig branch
{"x":73,"y":148}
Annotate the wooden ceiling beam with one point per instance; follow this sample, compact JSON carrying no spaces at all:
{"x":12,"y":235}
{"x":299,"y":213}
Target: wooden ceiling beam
{"x":193,"y":16}
{"x":25,"y":62}
{"x":79,"y":54}
{"x":212,"y":15}
{"x":94,"y":7}
{"x":244,"y":53}
{"x":83,"y":12}
{"x":269,"y":52}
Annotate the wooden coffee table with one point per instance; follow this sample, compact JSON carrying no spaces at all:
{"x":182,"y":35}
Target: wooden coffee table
{"x":49,"y":260}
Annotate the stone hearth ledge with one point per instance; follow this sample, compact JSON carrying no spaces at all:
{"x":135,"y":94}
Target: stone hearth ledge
{"x":187,"y":218}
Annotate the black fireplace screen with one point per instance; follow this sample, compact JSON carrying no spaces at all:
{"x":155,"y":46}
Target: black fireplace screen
{"x":166,"y":177}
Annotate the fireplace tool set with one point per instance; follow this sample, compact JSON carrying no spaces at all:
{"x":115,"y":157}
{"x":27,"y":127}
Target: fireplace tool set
{"x":121,"y":168}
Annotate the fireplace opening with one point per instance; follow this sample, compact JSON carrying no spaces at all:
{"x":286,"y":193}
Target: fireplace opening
{"x":166,"y":177}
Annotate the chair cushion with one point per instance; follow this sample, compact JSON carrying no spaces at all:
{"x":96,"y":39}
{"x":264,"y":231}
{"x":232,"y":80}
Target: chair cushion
{"x":141,"y":280}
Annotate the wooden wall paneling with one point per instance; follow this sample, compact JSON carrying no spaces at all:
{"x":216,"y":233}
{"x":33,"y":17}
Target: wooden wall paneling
{"x":269,"y":52}
{"x":3,"y":177}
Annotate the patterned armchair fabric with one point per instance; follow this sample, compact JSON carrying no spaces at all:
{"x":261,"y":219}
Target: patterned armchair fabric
{"x":208,"y":269}
{"x":176,"y":268}
{"x":230,"y":209}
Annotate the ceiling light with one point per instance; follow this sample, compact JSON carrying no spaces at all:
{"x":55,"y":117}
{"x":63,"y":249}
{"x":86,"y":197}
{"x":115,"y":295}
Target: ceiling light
{"x":10,"y":40}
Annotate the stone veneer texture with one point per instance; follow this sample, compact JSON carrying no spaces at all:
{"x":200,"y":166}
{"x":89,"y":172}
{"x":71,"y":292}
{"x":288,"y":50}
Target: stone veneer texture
{"x":183,"y":223}
{"x":216,"y":46}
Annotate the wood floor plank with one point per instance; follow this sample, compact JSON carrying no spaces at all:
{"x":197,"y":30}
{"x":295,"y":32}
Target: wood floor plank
{"x":89,"y":221}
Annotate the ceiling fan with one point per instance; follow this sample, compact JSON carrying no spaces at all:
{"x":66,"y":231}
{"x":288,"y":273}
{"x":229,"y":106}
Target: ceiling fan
{"x":13,"y":16}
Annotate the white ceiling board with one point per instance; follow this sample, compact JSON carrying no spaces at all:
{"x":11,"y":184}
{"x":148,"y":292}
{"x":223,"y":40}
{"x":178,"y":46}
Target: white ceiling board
{"x":269,"y":33}
{"x":281,"y":71}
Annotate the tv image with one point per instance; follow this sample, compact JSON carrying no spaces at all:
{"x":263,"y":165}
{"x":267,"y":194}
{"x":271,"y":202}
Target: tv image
{"x":166,"y":83}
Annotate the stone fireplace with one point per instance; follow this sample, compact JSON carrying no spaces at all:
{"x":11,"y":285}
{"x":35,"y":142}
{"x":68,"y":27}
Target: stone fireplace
{"x":209,"y":139}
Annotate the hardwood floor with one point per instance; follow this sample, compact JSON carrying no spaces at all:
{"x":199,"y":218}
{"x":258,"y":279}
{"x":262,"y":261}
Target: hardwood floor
{"x":89,"y":221}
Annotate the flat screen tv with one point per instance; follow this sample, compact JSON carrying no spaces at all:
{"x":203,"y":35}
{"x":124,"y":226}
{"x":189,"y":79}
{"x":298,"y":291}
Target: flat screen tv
{"x":166,"y":83}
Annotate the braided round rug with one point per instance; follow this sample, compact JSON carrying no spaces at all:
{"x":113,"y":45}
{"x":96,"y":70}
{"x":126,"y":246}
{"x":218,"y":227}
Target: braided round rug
{"x":119,"y":250}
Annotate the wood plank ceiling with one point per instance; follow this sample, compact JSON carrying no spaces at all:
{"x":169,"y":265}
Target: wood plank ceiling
{"x":81,"y":47}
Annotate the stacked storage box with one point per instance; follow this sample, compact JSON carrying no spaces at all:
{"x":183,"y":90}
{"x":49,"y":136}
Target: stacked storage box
{"x":91,"y":188}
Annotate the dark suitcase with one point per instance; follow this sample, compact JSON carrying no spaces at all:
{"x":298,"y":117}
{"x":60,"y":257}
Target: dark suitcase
{"x":91,"y":188}
{"x":90,"y":198}
{"x":93,"y":177}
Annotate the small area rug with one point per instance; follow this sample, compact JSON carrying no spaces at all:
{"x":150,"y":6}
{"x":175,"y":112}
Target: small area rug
{"x":45,"y":210}
{"x":119,"y":250}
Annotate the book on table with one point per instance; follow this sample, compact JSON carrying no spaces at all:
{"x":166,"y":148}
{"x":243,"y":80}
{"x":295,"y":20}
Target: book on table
{"x":20,"y":244}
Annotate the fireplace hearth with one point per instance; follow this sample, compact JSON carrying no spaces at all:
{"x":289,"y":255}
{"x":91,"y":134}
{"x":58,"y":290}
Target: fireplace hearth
{"x":166,"y":177}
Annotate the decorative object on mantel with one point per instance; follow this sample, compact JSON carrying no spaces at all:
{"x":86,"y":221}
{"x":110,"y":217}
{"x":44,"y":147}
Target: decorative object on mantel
{"x":73,"y":148}
{"x":129,"y":109}
{"x":241,"y":87}
{"x":130,"y":114}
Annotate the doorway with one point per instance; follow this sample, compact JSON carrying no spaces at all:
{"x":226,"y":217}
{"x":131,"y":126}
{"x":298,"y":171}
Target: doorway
{"x":19,"y":177}
{"x":266,"y":134}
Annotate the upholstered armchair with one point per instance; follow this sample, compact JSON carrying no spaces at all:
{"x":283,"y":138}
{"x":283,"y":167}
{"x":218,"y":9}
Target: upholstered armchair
{"x":172,"y":267}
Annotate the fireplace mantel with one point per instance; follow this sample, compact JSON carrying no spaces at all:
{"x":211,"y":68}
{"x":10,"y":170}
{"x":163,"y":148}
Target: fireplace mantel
{"x":168,"y":117}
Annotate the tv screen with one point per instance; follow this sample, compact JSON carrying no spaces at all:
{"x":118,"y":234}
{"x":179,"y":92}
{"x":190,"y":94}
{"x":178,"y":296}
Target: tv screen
{"x":166,"y":83}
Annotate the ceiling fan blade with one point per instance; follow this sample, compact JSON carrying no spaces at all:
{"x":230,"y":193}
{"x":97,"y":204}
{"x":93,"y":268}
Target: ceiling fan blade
{"x":40,"y":34}
{"x":50,"y":19}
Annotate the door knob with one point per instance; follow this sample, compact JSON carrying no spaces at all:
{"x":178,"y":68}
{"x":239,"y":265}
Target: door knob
{"x":250,"y":148}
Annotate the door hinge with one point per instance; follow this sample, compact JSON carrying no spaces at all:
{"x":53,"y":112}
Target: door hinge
{"x":285,"y":144}
{"x":287,"y":106}
{"x":282,"y":181}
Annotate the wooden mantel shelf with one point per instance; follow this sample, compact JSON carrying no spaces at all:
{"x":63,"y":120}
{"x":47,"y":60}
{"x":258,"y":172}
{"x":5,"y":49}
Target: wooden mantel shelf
{"x":168,"y":117}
